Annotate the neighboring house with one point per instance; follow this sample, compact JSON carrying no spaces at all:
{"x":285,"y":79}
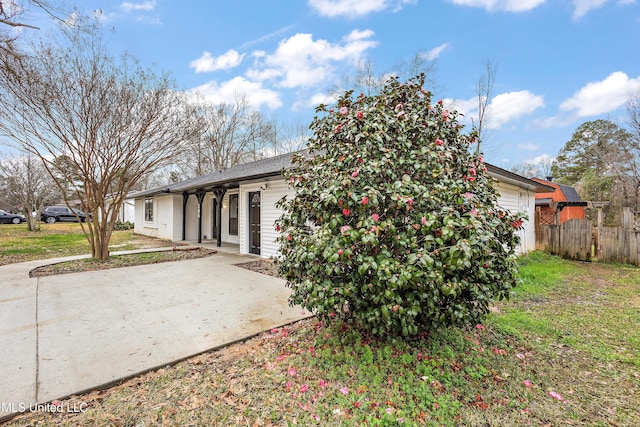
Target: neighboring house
{"x":560,"y":205}
{"x":239,"y":206}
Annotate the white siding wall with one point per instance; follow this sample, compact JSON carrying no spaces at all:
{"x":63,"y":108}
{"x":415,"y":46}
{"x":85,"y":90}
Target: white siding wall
{"x":226,"y":237}
{"x":516,"y":199}
{"x":167,"y":218}
{"x":274,"y":191}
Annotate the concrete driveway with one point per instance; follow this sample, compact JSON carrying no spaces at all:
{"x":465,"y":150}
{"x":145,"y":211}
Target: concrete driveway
{"x":65,"y":334}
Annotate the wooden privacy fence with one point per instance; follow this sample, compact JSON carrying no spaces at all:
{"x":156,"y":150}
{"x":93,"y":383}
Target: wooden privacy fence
{"x":571,"y":240}
{"x":578,"y":240}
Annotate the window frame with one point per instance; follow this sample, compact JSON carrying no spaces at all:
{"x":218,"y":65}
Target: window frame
{"x":233,"y":220}
{"x":148,"y":209}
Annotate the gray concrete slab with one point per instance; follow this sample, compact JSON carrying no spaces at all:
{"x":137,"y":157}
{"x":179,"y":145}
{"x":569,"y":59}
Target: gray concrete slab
{"x":93,"y":328}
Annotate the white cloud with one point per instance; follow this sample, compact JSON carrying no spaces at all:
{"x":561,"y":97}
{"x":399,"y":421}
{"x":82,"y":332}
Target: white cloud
{"x":146,"y":5}
{"x":501,"y":5}
{"x":581,"y":7}
{"x":315,"y":100}
{"x":503,"y":108}
{"x":207,"y":63}
{"x":528,"y":146}
{"x":512,"y":105}
{"x":229,"y":91}
{"x":542,"y":159}
{"x":603,"y":96}
{"x":355,"y":8}
{"x":435,"y":52}
{"x":300,"y":61}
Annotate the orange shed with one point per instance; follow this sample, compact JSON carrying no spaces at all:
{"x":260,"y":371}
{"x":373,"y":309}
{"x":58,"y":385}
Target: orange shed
{"x":564,"y":204}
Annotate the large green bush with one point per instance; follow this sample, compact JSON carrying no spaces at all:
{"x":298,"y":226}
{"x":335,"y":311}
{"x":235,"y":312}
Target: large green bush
{"x":394,"y":226}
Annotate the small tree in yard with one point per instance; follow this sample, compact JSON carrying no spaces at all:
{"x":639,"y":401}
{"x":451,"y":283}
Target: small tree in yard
{"x":99,"y":125}
{"x":395,"y":226}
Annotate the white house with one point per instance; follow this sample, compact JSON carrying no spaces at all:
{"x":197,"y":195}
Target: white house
{"x":238,"y":204}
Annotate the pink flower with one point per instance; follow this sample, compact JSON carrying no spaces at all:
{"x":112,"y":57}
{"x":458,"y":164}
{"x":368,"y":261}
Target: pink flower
{"x":344,"y":111}
{"x":374,"y":228}
{"x":346,"y":212}
{"x":304,"y":388}
{"x":517,"y":223}
{"x":486,"y":265}
{"x":395,"y":308}
{"x":278,"y":228}
{"x":323,"y":384}
{"x":344,"y":391}
{"x":468,"y":195}
{"x":375,"y":217}
{"x":292,"y":372}
{"x":389,"y":411}
{"x":526,"y":383}
{"x":339,"y":251}
{"x":360,"y":160}
{"x":289,"y":237}
{"x":344,"y":229}
{"x":338,"y":128}
{"x":356,"y":404}
{"x":481,"y":159}
{"x":354,"y":174}
{"x":445,"y":114}
{"x":440,"y":102}
{"x":472,"y":171}
{"x":410,"y":201}
{"x":520,"y":356}
{"x":556,"y":396}
{"x":470,"y":178}
{"x":359,"y":115}
{"x":423,"y":220}
{"x":400,"y":114}
{"x":398,"y":107}
{"x":287,"y":385}
{"x":479,"y":326}
{"x":473,"y":212}
{"x":364,"y":201}
{"x":439,"y":142}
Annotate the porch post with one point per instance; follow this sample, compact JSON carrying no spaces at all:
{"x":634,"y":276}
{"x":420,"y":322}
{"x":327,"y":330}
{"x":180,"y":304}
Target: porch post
{"x":200,"y":196}
{"x":219,"y":195}
{"x":185,"y":199}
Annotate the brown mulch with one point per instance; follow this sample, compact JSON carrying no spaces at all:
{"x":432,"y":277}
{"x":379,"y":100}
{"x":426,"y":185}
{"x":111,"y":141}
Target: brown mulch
{"x":263,"y":266}
{"x":119,"y":261}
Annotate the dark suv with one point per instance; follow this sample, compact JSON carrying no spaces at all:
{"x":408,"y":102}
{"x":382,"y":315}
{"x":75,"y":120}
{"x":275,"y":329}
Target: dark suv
{"x":52,"y":214}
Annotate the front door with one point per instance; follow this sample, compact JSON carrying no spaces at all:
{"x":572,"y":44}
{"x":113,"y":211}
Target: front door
{"x":254,"y":222}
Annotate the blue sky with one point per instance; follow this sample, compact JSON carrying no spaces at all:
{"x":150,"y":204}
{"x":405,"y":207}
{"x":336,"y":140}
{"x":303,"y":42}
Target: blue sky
{"x":559,"y":62}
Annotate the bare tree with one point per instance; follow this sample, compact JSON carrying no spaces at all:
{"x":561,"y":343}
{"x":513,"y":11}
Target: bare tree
{"x":113,"y":120}
{"x":26,"y":185}
{"x":228,"y":134}
{"x":484,"y":92}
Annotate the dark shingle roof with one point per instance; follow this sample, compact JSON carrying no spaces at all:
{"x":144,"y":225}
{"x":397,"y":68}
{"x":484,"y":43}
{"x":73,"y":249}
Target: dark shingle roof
{"x":271,"y":166}
{"x":570,"y":193}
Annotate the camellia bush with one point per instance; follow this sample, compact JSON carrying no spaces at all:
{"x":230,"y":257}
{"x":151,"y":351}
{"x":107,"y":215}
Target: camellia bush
{"x":395,"y":226}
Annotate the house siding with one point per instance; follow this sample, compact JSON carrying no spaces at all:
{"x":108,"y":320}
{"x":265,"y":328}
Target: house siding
{"x":516,"y":199}
{"x":167,"y":214}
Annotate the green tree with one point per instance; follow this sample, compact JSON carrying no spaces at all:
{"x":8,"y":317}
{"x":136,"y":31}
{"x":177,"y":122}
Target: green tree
{"x":598,"y":162}
{"x":395,"y":224}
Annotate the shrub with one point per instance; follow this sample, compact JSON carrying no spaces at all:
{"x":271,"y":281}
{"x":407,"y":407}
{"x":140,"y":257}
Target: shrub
{"x":395,"y":225}
{"x":120,"y":225}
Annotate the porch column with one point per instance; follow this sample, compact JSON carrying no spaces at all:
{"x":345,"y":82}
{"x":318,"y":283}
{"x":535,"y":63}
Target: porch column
{"x":185,"y":199}
{"x":200,"y":196}
{"x":219,"y":195}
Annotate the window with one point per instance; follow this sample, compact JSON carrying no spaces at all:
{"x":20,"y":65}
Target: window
{"x":148,"y":210}
{"x":233,"y":214}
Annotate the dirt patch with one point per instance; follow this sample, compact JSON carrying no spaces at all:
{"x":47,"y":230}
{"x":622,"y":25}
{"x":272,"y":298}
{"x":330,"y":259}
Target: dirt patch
{"x":119,"y":261}
{"x":263,"y":266}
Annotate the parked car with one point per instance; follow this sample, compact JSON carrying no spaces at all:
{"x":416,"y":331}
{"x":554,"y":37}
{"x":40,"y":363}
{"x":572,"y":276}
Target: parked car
{"x":52,"y":214}
{"x":9,"y":218}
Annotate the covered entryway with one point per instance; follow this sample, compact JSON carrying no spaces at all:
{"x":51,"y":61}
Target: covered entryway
{"x":254,"y":222}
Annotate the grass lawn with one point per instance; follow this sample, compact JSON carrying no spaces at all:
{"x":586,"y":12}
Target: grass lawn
{"x":564,"y":351}
{"x":59,"y":240}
